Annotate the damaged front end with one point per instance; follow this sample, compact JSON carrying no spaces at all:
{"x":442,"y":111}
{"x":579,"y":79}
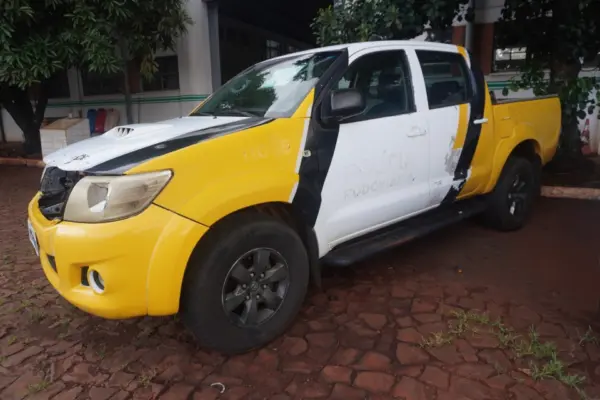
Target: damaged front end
{"x":56,"y":185}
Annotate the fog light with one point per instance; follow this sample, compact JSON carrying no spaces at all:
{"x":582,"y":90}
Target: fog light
{"x":96,"y":281}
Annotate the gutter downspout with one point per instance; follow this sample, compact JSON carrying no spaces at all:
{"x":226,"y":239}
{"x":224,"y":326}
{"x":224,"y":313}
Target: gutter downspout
{"x":470,"y":28}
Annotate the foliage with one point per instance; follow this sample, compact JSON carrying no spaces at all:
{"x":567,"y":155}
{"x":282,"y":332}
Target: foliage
{"x":558,"y":35}
{"x":40,"y":38}
{"x":362,"y":20}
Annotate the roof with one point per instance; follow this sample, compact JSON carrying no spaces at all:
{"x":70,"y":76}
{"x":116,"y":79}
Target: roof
{"x":355,"y":47}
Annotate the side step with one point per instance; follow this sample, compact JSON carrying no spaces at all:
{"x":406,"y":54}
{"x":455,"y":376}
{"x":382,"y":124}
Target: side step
{"x":366,"y":246}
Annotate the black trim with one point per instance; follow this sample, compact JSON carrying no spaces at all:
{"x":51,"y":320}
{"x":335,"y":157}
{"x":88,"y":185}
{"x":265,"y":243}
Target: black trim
{"x":473,"y":132}
{"x":176,"y":213}
{"x":127,"y":161}
{"x":320,"y":142}
{"x":394,"y":235}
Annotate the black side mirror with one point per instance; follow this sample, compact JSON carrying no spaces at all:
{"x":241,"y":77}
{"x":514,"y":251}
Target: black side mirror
{"x":346,"y":103}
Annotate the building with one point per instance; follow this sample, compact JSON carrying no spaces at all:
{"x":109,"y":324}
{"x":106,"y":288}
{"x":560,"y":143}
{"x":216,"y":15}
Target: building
{"x":230,"y":35}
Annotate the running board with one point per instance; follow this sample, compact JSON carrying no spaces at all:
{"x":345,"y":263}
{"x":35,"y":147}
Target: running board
{"x":366,"y":246}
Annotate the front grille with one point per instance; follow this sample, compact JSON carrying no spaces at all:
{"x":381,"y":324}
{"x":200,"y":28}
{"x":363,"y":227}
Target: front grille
{"x":55,"y":187}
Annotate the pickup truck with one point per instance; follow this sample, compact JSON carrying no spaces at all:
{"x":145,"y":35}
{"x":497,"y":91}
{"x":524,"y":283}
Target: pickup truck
{"x":322,"y":157}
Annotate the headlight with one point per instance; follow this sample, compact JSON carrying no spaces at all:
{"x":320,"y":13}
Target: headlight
{"x":109,"y":198}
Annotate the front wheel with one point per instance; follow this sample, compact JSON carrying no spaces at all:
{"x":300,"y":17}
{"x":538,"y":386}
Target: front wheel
{"x":245,"y":283}
{"x":511,"y":202}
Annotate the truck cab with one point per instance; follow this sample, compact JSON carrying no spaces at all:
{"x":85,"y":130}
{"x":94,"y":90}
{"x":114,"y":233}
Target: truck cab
{"x":322,"y":157}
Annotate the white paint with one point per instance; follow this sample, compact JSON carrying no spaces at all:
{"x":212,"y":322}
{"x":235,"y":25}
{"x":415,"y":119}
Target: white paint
{"x":91,"y":152}
{"x":378,"y":174}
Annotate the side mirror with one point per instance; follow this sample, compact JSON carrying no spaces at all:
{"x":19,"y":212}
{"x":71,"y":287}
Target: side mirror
{"x":346,"y":103}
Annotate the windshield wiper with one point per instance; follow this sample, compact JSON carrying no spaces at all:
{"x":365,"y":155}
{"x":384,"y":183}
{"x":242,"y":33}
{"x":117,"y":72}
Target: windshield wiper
{"x":204,"y":113}
{"x":235,"y":111}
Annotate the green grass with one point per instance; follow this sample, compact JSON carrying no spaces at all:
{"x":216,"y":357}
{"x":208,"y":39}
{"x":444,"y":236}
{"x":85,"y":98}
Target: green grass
{"x":544,"y":361}
{"x":38,"y":387}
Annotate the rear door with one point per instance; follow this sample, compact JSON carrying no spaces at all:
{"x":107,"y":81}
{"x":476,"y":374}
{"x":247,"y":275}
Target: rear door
{"x":455,"y":115}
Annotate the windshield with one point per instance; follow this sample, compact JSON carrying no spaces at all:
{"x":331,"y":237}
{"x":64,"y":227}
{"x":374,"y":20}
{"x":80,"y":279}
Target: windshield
{"x":272,"y":89}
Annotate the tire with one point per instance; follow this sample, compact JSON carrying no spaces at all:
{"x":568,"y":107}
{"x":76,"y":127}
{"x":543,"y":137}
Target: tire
{"x":212,"y":283}
{"x":509,"y":209}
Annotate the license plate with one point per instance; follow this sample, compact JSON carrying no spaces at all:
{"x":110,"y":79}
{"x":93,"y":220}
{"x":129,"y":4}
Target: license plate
{"x":33,"y":238}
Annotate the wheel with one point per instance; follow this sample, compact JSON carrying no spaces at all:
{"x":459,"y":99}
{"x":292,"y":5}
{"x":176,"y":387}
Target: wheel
{"x":511,"y":202}
{"x":245,"y":283}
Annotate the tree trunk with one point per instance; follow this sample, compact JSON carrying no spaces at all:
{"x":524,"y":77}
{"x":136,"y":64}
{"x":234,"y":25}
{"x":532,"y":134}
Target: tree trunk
{"x":18,"y":104}
{"x":126,"y":85}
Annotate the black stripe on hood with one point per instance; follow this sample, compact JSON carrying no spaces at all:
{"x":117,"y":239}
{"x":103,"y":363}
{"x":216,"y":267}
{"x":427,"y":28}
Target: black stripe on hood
{"x":127,"y":161}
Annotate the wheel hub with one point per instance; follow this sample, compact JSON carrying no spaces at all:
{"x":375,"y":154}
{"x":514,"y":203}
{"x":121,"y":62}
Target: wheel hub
{"x":255,"y":287}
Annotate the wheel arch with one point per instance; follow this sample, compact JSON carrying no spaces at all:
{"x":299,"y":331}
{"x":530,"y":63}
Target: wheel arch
{"x":529,"y":149}
{"x":289,"y":214}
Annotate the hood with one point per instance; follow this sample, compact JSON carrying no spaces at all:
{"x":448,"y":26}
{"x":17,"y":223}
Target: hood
{"x":121,"y":141}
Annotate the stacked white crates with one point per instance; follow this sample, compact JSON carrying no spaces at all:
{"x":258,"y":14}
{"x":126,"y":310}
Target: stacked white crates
{"x":62,"y":133}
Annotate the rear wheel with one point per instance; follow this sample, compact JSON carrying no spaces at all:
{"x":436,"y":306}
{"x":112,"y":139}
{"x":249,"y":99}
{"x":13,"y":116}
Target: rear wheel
{"x":245,"y":283}
{"x":511,"y":202}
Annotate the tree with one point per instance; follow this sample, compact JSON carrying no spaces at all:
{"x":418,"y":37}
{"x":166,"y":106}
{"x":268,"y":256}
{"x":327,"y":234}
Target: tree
{"x":363,"y":20}
{"x":40,"y":38}
{"x":558,"y":35}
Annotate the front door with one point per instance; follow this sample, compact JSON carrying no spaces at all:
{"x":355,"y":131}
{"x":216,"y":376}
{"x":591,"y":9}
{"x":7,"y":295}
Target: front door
{"x":379,"y":170}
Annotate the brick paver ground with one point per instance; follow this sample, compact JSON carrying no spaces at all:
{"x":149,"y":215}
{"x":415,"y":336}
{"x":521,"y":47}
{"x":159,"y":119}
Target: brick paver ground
{"x":363,"y":337}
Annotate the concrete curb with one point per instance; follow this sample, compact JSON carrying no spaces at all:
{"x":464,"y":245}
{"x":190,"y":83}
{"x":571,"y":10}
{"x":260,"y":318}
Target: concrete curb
{"x":563,"y":192}
{"x":21,"y":161}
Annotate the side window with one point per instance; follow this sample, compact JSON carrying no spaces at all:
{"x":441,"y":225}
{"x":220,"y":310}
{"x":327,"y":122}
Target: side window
{"x":384,"y":79}
{"x":446,"y":77}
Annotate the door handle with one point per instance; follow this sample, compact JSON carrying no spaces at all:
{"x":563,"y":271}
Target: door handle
{"x":480,"y":121}
{"x":415,"y":131}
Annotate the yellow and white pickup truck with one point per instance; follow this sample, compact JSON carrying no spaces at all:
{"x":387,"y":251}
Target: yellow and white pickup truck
{"x":325,"y":156}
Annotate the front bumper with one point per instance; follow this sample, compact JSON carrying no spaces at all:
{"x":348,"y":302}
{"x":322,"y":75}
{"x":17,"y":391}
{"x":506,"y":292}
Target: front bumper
{"x":141,"y":259}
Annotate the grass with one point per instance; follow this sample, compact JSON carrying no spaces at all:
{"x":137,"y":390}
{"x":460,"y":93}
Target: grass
{"x":146,"y":378}
{"x":588,"y":337}
{"x":36,"y":315}
{"x":12,"y":339}
{"x":437,"y":339}
{"x":38,"y":387}
{"x":544,"y":361}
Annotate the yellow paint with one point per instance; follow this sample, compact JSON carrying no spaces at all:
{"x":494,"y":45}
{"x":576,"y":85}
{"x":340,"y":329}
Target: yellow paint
{"x":122,"y":253}
{"x":232,"y":172}
{"x":508,"y":126}
{"x":463,"y":52}
{"x":143,"y":259}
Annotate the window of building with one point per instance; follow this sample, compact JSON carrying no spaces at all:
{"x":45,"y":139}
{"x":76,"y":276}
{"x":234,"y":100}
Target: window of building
{"x":384,"y":80}
{"x":447,"y":78}
{"x":509,"y":59}
{"x":96,"y":83}
{"x":273,"y":49}
{"x":166,"y":76}
{"x":57,"y":86}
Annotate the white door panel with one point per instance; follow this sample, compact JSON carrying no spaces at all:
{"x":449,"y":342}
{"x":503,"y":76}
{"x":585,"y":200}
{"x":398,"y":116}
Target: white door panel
{"x":444,"y":154}
{"x":378,"y":174}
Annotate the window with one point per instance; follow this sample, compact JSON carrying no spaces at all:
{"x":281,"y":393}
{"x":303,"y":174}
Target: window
{"x":95,"y":83}
{"x":273,"y":49}
{"x":447,"y":78}
{"x":166,"y":77}
{"x":384,"y":79}
{"x":509,"y":59}
{"x":271,"y":89}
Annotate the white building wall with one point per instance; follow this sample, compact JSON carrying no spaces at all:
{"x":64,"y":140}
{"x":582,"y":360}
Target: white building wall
{"x":195,"y":84}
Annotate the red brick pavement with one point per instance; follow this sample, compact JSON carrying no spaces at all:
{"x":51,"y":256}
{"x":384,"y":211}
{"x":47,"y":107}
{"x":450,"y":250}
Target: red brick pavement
{"x":358,"y":339}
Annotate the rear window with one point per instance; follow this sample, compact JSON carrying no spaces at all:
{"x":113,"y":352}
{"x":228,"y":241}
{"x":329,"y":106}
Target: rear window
{"x":446,"y":77}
